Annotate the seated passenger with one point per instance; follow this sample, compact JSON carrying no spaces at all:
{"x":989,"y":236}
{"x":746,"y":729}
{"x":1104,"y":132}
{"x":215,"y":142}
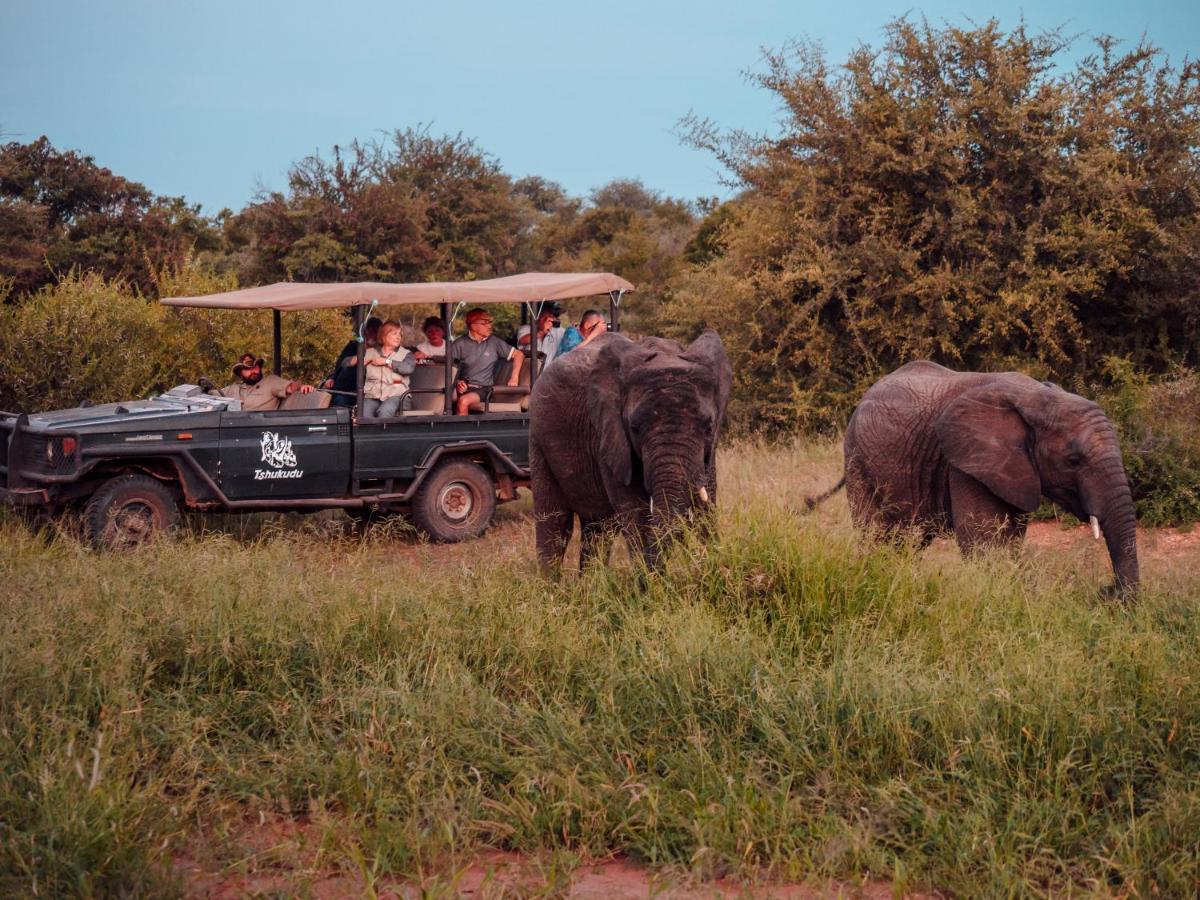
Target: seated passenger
{"x":385,"y":390}
{"x":258,"y":391}
{"x":434,"y":345}
{"x":344,"y":377}
{"x":591,"y":326}
{"x":550,"y":333}
{"x":477,"y":353}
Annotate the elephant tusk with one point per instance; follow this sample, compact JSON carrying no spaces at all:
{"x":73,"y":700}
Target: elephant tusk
{"x":703,"y":494}
{"x":651,"y":504}
{"x":1095,"y":523}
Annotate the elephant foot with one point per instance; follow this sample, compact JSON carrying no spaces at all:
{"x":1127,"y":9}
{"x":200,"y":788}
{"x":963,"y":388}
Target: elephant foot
{"x":1119,"y":593}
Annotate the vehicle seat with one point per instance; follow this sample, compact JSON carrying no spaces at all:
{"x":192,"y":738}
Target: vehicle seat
{"x":315,"y":400}
{"x":427,"y":385}
{"x":505,"y":398}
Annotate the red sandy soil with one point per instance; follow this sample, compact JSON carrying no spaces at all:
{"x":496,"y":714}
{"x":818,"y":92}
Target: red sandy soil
{"x":1153,"y":543}
{"x":283,"y":856}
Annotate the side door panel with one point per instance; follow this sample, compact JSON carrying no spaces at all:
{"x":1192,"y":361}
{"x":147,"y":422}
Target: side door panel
{"x":285,"y":454}
{"x":395,"y":450}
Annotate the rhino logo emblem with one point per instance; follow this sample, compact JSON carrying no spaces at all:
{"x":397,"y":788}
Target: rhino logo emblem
{"x":277,"y":451}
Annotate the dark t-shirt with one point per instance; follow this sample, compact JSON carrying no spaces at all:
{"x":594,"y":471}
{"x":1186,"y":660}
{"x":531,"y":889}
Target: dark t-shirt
{"x":477,"y":359}
{"x":345,"y":378}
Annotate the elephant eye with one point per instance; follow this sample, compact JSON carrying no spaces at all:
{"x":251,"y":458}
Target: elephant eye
{"x":1074,"y":459}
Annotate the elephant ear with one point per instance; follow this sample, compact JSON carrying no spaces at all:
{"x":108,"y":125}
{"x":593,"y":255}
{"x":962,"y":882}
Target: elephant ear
{"x":606,"y":406}
{"x":984,"y":434}
{"x":708,"y":352}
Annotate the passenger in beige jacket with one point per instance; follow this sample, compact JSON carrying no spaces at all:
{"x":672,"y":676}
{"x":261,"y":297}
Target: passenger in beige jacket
{"x":257,"y":391}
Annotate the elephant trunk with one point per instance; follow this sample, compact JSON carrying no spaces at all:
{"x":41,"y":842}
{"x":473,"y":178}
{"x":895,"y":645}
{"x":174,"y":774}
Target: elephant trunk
{"x":1119,"y":523}
{"x":1108,"y":502}
{"x":677,"y":496}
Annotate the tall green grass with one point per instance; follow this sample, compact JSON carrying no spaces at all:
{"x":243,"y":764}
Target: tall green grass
{"x":785,"y":702}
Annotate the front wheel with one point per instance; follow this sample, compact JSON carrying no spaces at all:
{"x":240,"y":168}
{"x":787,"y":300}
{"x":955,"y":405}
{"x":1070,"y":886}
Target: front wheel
{"x":455,"y":502}
{"x":129,"y":510}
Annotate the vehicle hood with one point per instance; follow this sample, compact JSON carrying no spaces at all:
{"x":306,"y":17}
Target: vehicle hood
{"x":168,"y":405}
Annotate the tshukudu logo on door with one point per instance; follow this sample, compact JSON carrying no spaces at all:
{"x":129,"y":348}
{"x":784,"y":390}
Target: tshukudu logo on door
{"x":277,"y":453}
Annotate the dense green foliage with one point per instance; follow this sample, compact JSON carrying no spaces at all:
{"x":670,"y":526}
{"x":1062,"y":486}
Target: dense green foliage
{"x":60,"y":211}
{"x":957,"y":195}
{"x":789,"y":703}
{"x":85,"y":338}
{"x":1158,"y":422}
{"x":414,"y":207}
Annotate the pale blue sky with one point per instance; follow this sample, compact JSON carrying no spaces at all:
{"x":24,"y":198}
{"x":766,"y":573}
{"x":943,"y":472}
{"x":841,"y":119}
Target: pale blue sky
{"x":214,"y":98}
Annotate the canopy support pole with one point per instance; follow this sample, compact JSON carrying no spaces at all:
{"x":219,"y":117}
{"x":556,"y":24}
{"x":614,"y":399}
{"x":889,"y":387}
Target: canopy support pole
{"x":449,"y":363}
{"x":360,"y":369}
{"x":527,"y":307}
{"x":614,"y":309}
{"x":278,"y":343}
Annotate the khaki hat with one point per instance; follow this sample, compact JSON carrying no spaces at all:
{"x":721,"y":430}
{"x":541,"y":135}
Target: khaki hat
{"x":248,"y":361}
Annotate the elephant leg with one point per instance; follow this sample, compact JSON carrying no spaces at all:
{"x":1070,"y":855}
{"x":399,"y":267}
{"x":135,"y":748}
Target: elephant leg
{"x":552,"y":517}
{"x":595,"y":542}
{"x":871,"y":509}
{"x":980,"y":518}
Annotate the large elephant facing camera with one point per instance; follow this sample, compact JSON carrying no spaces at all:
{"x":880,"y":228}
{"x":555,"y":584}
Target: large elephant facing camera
{"x":935,"y":449}
{"x":623,"y":435}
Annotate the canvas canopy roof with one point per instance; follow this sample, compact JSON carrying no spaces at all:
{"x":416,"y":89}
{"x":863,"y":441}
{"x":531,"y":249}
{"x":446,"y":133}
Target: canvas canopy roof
{"x":532,"y":286}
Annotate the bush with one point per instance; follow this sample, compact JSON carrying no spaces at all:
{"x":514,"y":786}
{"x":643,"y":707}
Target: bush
{"x":960,"y":195}
{"x":86,"y":338}
{"x":83,"y":338}
{"x":1158,"y":422}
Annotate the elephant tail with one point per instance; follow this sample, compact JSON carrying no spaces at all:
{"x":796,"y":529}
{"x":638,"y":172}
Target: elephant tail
{"x":812,"y":502}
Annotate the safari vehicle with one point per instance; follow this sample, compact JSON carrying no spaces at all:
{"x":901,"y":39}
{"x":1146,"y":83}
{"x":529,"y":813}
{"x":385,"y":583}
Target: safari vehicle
{"x":132,"y":466}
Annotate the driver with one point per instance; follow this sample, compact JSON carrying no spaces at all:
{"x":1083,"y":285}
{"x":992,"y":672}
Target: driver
{"x":258,"y":391}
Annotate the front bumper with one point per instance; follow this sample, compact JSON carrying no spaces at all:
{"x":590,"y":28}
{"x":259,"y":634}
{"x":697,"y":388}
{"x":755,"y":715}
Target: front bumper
{"x":25,"y":497}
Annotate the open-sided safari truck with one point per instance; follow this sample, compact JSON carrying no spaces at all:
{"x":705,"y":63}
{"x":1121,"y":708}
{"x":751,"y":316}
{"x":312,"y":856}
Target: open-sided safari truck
{"x":132,"y":466}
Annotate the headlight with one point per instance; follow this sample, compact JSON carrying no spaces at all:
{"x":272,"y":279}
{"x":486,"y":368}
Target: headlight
{"x":59,"y":450}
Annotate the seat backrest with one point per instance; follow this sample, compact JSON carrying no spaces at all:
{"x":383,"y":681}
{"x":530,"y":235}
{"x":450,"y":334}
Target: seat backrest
{"x":523,"y":379}
{"x":428,"y":378}
{"x":314,"y":400}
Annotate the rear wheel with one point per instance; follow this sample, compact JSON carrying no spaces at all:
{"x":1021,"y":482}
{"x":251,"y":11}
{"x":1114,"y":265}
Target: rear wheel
{"x":455,"y":502}
{"x":129,"y":510}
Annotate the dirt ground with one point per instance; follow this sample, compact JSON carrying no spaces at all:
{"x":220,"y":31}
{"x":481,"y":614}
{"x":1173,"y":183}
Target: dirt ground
{"x":283,"y":856}
{"x":1153,"y":543}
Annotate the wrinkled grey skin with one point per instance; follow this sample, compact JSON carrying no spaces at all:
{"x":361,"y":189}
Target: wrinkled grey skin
{"x":937,"y":449}
{"x":615,"y":423}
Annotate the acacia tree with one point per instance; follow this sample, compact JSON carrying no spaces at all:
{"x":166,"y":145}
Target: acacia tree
{"x":955,"y":195}
{"x":402,"y":209}
{"x":60,"y":211}
{"x":623,"y":227}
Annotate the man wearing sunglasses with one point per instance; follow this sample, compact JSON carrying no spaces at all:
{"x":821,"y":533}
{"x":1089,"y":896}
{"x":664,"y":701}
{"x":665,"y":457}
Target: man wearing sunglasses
{"x":477,"y":352}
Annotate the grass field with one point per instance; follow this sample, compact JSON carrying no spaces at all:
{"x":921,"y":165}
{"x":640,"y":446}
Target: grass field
{"x":785,"y":704}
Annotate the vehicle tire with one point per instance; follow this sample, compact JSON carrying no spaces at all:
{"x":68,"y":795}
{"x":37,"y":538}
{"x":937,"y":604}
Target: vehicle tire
{"x":129,"y":510}
{"x":455,"y":502}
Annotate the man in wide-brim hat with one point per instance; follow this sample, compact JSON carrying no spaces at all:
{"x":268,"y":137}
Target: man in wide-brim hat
{"x":256,"y":390}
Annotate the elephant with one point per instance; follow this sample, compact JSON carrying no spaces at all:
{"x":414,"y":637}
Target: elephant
{"x":623,"y":434}
{"x":934,"y":449}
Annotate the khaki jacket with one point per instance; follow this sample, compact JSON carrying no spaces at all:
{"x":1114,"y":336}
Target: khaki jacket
{"x":382,"y":382}
{"x":267,"y":394}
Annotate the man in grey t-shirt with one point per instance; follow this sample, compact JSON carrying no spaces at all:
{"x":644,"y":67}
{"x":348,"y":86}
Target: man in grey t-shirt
{"x":477,"y":353}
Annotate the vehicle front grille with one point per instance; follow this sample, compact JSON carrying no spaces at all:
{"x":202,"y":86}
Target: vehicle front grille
{"x":49,"y":454}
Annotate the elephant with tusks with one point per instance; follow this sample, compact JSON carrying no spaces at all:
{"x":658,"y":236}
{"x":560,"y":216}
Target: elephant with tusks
{"x":934,"y":450}
{"x":623,"y":435}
